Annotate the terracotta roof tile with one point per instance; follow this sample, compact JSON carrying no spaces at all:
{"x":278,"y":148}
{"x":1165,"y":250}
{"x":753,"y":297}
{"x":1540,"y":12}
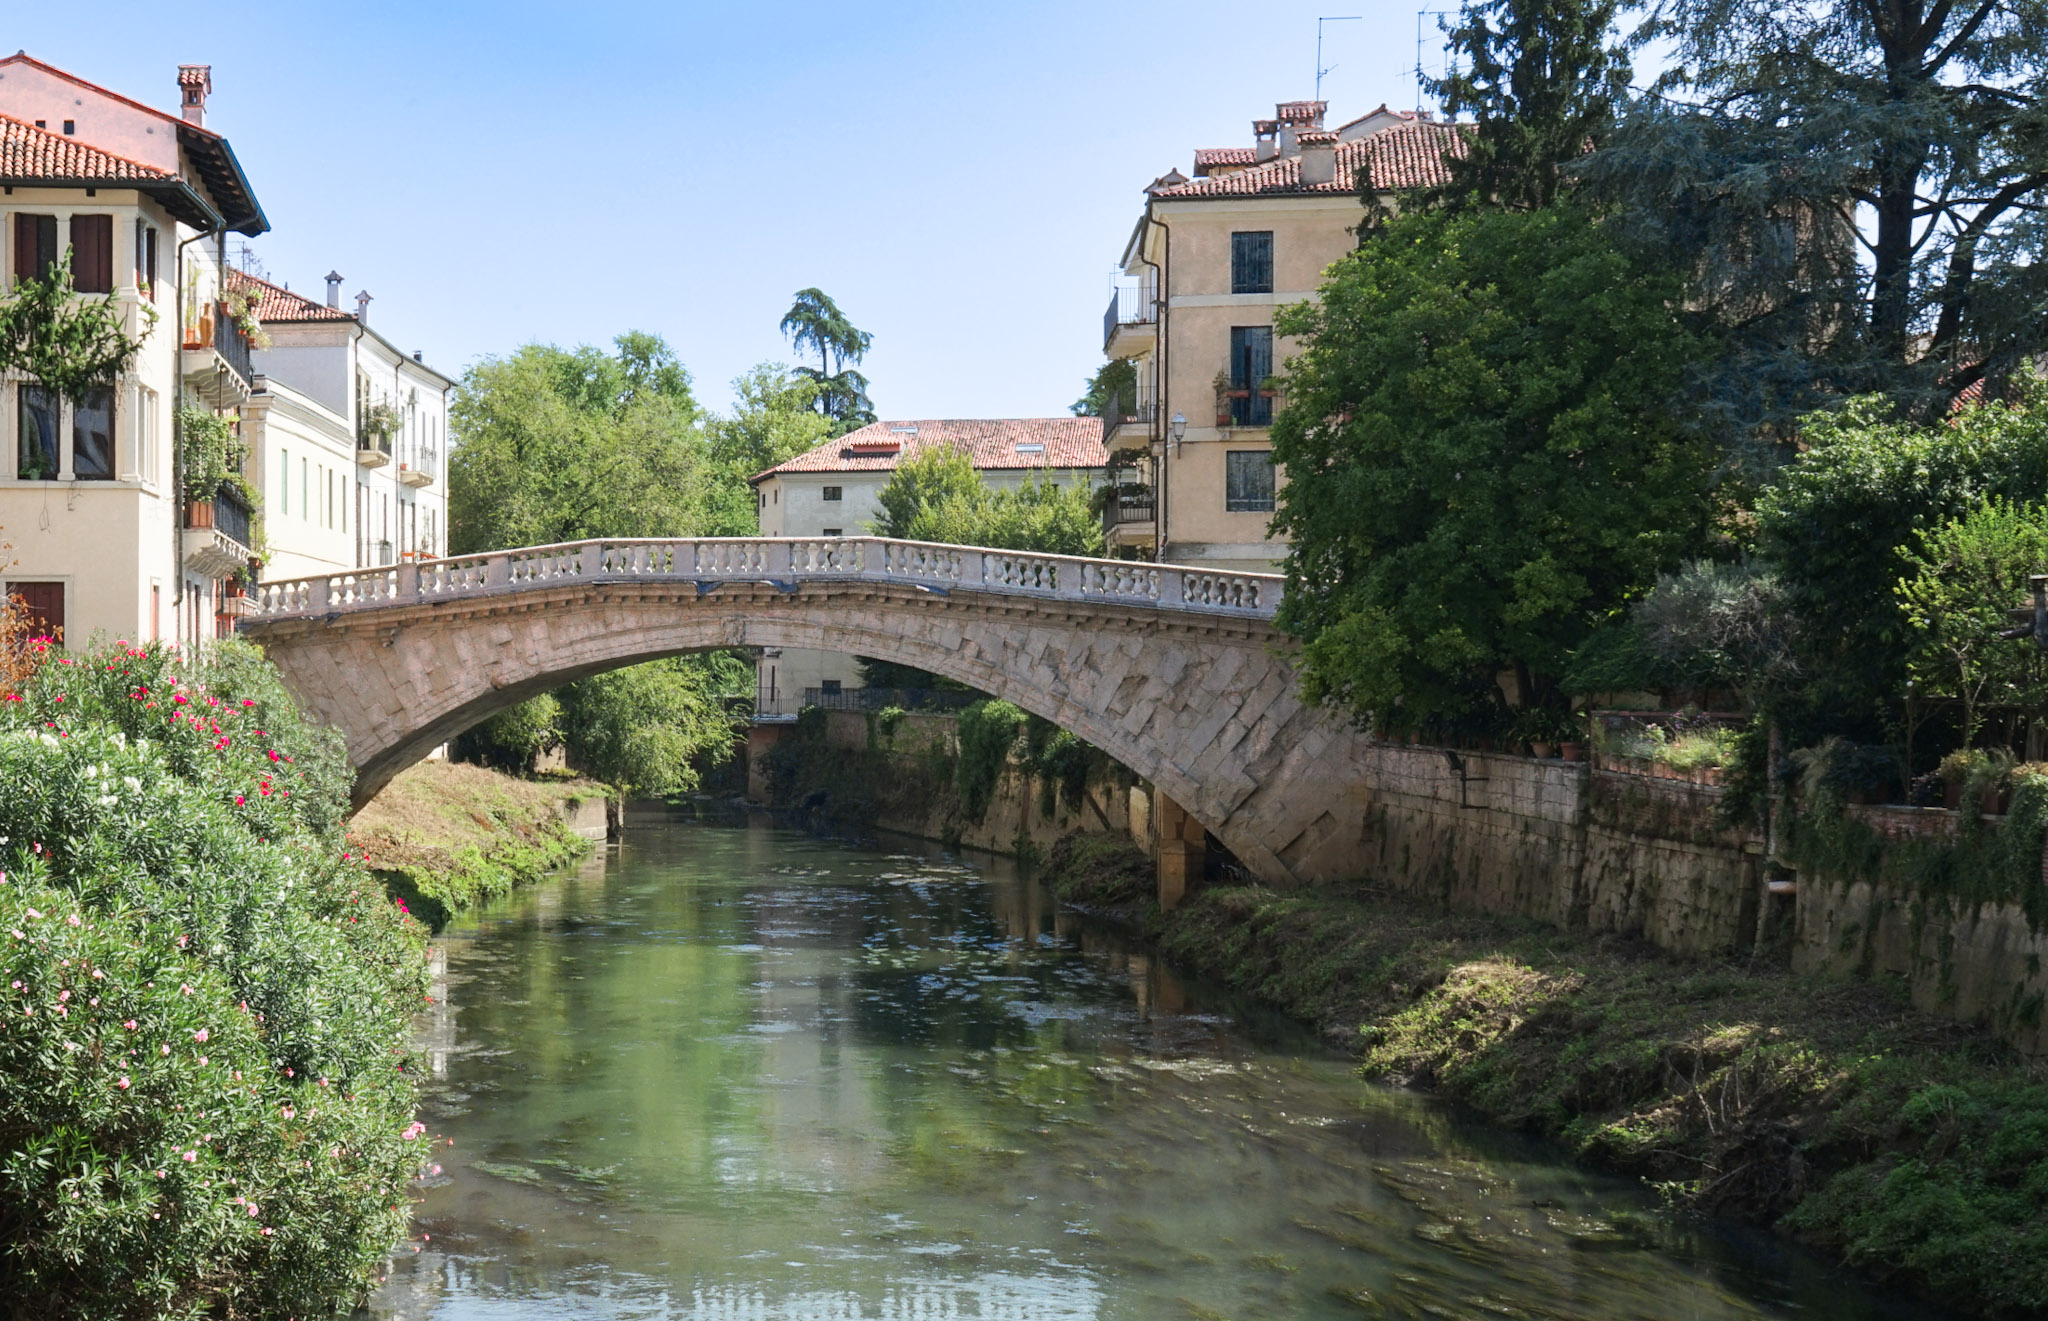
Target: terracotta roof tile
{"x":1404,"y":156}
{"x":1301,"y":112}
{"x":992,"y":443}
{"x":277,"y":304}
{"x":1207,"y":156}
{"x":29,"y":153}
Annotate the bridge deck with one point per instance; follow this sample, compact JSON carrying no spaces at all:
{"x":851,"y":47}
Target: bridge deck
{"x":786,"y":563}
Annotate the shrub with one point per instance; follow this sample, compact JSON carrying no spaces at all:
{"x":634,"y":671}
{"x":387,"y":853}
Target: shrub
{"x":988,"y":735}
{"x":205,"y":1104}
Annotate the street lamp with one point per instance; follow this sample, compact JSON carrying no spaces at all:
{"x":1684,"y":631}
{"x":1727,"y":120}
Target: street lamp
{"x":1179,"y":431}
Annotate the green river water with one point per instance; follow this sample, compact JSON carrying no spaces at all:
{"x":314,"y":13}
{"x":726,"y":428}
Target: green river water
{"x":738,"y":1073}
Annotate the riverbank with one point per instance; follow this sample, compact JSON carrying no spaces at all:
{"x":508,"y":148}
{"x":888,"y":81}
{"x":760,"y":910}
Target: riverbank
{"x":445,"y":836}
{"x":1908,"y":1146}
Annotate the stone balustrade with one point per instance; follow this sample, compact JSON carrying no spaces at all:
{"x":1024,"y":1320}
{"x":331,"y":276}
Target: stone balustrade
{"x":787,"y":563}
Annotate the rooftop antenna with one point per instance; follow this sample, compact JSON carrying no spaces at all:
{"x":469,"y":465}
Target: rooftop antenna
{"x":1320,"y":70}
{"x":1420,"y":14}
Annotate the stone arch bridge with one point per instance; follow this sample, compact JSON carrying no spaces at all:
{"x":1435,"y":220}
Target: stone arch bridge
{"x":1177,"y":672}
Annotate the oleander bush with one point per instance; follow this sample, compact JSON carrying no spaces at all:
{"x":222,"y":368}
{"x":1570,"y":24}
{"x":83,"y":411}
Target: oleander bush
{"x":205,"y":1096}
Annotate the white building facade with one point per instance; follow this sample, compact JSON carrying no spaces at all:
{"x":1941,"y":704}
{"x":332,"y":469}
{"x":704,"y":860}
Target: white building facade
{"x":347,"y":436}
{"x":832,"y":490}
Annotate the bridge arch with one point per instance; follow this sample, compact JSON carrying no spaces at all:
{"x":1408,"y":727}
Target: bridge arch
{"x":1177,"y":673}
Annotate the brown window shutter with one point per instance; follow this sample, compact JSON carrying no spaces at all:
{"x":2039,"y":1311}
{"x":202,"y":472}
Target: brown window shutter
{"x":92,"y":254}
{"x":25,"y":246}
{"x":43,"y":603}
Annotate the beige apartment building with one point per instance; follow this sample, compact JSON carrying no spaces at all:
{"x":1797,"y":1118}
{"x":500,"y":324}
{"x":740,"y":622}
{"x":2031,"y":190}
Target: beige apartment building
{"x":1210,"y":261}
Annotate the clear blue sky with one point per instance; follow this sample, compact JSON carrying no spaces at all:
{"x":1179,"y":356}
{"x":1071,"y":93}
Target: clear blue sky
{"x":959,"y":177}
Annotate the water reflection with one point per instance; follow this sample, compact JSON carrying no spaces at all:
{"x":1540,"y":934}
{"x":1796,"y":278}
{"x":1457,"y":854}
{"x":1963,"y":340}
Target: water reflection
{"x":745,"y":1073}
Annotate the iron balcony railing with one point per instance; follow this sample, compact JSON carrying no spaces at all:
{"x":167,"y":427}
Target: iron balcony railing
{"x":232,"y":516}
{"x":1118,"y":414}
{"x":1128,"y":504}
{"x":878,"y":699}
{"x":1128,"y":306}
{"x":232,"y":344}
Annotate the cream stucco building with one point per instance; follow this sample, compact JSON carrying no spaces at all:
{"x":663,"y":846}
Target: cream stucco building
{"x":96,"y":538}
{"x":832,"y":490}
{"x":1209,"y":262}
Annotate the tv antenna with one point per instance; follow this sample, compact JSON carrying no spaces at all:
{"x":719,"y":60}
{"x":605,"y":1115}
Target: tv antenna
{"x":1420,"y":14}
{"x":1320,"y":70}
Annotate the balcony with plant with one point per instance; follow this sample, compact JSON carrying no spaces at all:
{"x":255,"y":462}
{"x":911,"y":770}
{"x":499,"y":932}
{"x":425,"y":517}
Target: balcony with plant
{"x":222,"y":528}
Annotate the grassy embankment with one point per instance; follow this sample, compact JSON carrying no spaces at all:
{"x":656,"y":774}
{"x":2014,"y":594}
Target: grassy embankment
{"x":445,"y":836}
{"x":1910,"y":1147}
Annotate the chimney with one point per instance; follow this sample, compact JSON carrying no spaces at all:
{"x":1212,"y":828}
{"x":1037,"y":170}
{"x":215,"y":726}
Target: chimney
{"x":194,"y":82}
{"x":363,"y":307}
{"x":1266,"y":145}
{"x":334,"y":290}
{"x":1318,"y":157}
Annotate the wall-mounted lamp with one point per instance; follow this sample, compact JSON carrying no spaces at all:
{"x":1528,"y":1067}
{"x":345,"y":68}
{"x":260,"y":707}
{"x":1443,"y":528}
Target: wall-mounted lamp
{"x":1178,"y":429}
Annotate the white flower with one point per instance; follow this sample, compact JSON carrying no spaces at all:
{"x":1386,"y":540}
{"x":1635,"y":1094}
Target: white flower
{"x":134,"y":785}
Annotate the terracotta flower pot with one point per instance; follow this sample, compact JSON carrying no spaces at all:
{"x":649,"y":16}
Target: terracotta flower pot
{"x":1539,"y":749}
{"x":1572,"y":751}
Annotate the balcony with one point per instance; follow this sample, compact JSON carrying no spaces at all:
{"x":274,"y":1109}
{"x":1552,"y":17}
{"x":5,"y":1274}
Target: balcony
{"x":373,"y":450}
{"x":215,"y":358}
{"x":1129,"y":323}
{"x":1126,"y":424}
{"x":216,"y":538}
{"x":416,"y":474}
{"x":1128,"y":514}
{"x":1251,"y":408}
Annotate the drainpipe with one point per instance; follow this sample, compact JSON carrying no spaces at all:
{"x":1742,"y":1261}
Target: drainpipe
{"x":177,"y":425}
{"x":1160,"y":379}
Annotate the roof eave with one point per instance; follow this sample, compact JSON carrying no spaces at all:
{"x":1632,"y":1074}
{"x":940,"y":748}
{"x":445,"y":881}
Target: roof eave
{"x":213,"y":147}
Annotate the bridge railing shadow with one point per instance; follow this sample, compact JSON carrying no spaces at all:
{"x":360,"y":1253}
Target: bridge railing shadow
{"x":782,"y":562}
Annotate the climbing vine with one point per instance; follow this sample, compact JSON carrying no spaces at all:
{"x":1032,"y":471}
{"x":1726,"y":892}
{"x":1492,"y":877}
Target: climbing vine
{"x":988,"y":735}
{"x":71,"y":344}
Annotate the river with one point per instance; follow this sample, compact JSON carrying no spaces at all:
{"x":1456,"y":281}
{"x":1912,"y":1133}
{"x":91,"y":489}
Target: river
{"x":736,"y":1071}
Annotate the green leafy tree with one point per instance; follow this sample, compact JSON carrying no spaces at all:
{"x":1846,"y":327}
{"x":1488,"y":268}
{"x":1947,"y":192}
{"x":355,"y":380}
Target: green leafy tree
{"x":1485,"y":457}
{"x":515,"y":738}
{"x":938,"y":495}
{"x":648,"y":728}
{"x":557,"y":445}
{"x":1542,"y":78}
{"x":775,"y":419}
{"x":1115,"y":380}
{"x":1857,"y":185}
{"x":1964,"y":575}
{"x":815,"y":323}
{"x":1839,"y":526}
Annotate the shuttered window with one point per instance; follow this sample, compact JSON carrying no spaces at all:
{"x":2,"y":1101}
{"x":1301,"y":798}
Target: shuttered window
{"x":145,"y":259}
{"x":1251,"y":262}
{"x":92,"y":254}
{"x":1248,"y":482}
{"x":35,"y":245}
{"x":1251,"y":362}
{"x":43,"y":603}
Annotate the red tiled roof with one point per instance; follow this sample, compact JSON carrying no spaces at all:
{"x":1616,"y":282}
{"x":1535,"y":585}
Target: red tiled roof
{"x":992,"y":443}
{"x":1404,"y":156}
{"x":277,"y":304}
{"x":1207,"y":156}
{"x":28,"y":153}
{"x":1384,"y":109}
{"x":1300,"y":112}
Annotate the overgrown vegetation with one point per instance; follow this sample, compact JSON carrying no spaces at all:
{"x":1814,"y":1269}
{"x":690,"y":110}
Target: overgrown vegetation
{"x":445,"y":837}
{"x":1915,"y":1149}
{"x":205,"y":1093}
{"x":938,"y":495}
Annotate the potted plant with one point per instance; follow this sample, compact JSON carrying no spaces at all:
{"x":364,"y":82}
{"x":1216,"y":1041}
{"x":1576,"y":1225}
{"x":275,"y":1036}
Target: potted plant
{"x":1570,"y":732}
{"x":1270,"y":387}
{"x":1222,"y":384}
{"x":1955,"y":771}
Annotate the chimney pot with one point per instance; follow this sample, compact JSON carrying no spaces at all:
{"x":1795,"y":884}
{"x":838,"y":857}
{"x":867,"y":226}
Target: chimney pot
{"x":363,"y":307}
{"x":334,"y":290}
{"x":195,"y":82}
{"x":1318,"y":157}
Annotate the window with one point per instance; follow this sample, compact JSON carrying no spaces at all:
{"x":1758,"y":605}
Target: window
{"x":92,"y":436}
{"x":92,"y":254}
{"x":1251,"y":262}
{"x":145,"y":259}
{"x":37,"y":458}
{"x":145,"y":433}
{"x":35,"y":245}
{"x":44,"y":605}
{"x":284,"y":482}
{"x":831,"y":493}
{"x":1251,"y":362}
{"x":834,"y":532}
{"x":828,"y":685}
{"x":1248,"y":481}
{"x":305,"y":491}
